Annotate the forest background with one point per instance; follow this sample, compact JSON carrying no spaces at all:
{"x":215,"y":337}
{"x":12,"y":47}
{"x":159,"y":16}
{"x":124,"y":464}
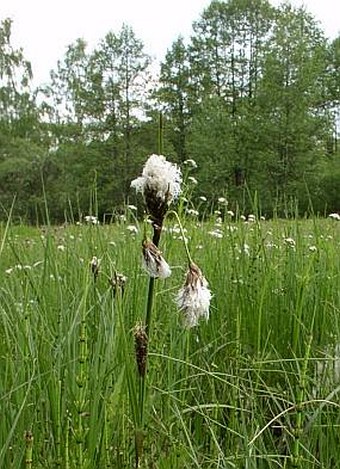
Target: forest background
{"x":253,"y":97}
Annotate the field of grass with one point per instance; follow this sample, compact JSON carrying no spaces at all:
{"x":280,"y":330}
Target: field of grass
{"x":256,"y":386}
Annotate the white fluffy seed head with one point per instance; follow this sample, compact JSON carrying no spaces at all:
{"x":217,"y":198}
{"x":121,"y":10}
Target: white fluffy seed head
{"x":160,"y":179}
{"x":193,"y":299}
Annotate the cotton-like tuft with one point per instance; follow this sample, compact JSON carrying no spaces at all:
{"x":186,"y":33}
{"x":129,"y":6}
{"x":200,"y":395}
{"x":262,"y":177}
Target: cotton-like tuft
{"x":159,"y":177}
{"x":193,"y":299}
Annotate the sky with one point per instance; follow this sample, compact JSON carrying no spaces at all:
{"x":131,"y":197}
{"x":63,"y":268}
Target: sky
{"x":44,"y":28}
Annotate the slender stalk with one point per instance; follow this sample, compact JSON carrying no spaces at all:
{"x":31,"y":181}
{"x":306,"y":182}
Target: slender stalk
{"x":29,"y":449}
{"x":296,"y":459}
{"x":58,"y":442}
{"x":185,"y":242}
{"x":67,"y":435}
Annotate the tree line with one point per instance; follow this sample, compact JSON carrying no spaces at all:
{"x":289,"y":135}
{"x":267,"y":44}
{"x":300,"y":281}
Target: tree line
{"x":253,"y":96}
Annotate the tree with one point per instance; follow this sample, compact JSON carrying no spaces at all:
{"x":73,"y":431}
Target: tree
{"x":22,"y":146}
{"x":177,"y":95}
{"x":118,"y":70}
{"x":292,"y":125}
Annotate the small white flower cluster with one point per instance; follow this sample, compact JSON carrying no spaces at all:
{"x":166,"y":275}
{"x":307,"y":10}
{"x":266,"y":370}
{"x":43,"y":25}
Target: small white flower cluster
{"x":334,"y":216}
{"x":290,"y":242}
{"x":194,"y":297}
{"x":192,"y":212}
{"x":222,"y":201}
{"x":190,"y":162}
{"x":159,"y":177}
{"x":91,"y":220}
{"x":23,"y":267}
{"x":132,"y":229}
{"x":216,"y":233}
{"x":192,"y":180}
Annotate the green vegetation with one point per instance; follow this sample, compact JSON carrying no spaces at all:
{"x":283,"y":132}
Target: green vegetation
{"x":252,"y":96}
{"x":256,"y":386}
{"x":249,"y":107}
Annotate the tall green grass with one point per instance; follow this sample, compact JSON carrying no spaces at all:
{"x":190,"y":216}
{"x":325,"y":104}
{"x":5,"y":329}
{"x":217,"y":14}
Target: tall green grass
{"x":257,"y":386}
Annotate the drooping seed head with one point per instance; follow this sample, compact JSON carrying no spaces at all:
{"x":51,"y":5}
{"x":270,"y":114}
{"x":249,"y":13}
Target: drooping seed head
{"x":153,"y":261}
{"x":193,"y":299}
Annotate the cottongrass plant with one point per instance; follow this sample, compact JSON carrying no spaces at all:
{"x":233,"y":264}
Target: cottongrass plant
{"x":160,"y":185}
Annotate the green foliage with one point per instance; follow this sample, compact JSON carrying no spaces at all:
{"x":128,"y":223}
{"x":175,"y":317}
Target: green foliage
{"x":256,"y":386}
{"x":252,"y":96}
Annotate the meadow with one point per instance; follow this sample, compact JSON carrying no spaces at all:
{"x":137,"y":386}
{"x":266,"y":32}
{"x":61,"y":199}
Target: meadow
{"x":255,"y":386}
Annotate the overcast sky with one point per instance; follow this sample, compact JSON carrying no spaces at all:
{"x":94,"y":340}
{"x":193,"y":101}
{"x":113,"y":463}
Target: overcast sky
{"x":44,"y":28}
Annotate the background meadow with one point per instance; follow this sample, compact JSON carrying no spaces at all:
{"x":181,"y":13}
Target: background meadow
{"x":257,"y":386}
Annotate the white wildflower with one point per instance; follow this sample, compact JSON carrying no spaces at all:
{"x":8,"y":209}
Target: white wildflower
{"x":313,"y":248}
{"x":242,"y":218}
{"x":203,"y":198}
{"x":61,"y":247}
{"x":192,"y":180}
{"x":153,"y":261}
{"x":132,"y":229}
{"x":190,"y":162}
{"x":194,"y":297}
{"x":222,"y":200}
{"x":271,"y":245}
{"x":132,"y":207}
{"x":334,"y":216}
{"x":92,"y":220}
{"x":230,"y":213}
{"x":251,"y":218}
{"x":290,"y":242}
{"x":192,"y":212}
{"x":246,"y":249}
{"x":216,"y":233}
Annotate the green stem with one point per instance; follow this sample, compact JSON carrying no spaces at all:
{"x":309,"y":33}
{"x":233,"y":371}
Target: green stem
{"x":29,"y":449}
{"x":185,"y":242}
{"x":160,"y":134}
{"x":149,"y":305}
{"x":142,"y":379}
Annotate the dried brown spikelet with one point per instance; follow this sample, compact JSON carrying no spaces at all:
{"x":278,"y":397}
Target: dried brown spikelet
{"x":118,"y":281}
{"x":141,"y":348}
